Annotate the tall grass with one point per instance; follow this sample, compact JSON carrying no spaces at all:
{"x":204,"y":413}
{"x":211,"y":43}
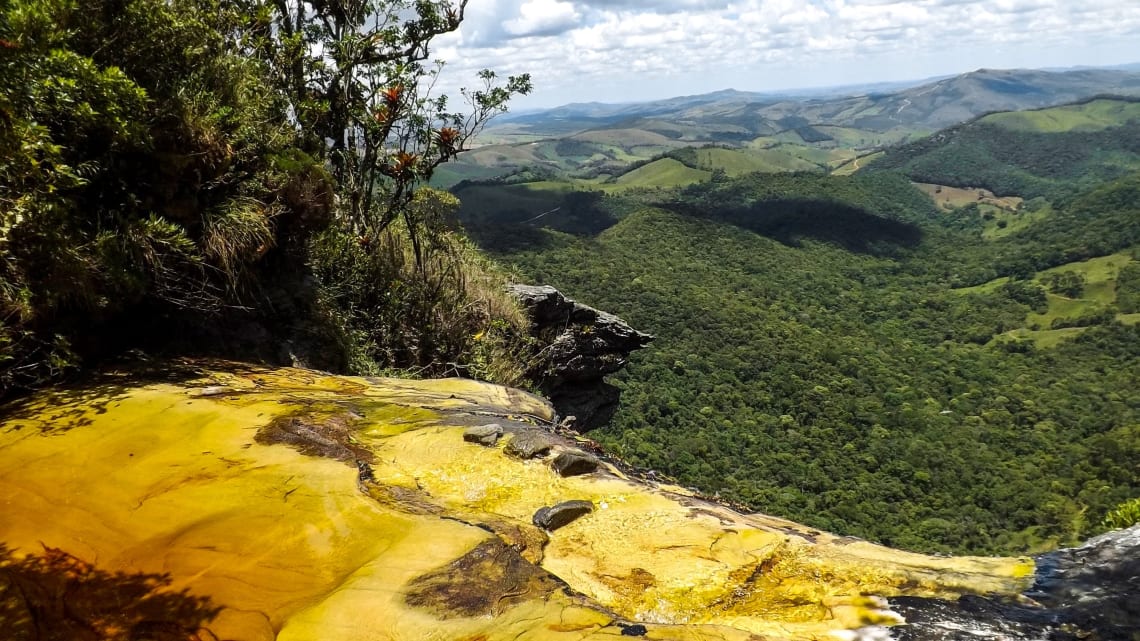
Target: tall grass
{"x":447,"y":314}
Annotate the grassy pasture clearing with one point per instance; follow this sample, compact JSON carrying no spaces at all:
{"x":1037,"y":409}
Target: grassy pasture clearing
{"x":954,"y":197}
{"x":1006,"y":222}
{"x":1099,"y":293}
{"x":855,"y":164}
{"x":451,"y":173}
{"x":666,"y":172}
{"x":1044,"y":338}
{"x":736,"y":162}
{"x":853,"y":138}
{"x":1096,"y":115}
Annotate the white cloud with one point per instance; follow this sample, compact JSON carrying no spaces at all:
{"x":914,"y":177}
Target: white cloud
{"x":615,"y":50}
{"x":543,"y":17}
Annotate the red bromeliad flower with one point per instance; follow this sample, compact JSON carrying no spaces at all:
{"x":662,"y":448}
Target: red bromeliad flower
{"x":405,"y":163}
{"x":392,"y":95}
{"x":448,"y":137}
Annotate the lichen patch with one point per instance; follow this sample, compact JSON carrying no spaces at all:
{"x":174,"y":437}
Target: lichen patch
{"x":486,"y":581}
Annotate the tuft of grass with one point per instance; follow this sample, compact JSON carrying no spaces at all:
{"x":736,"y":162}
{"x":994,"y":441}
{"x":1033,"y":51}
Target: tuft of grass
{"x":236,"y":233}
{"x":1124,"y":515}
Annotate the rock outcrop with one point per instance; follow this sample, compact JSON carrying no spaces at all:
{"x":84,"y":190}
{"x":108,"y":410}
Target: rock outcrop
{"x":250,"y":504}
{"x":579,"y":347}
{"x":483,"y":434}
{"x":565,"y":513}
{"x":574,"y":463}
{"x":1087,"y":592}
{"x":528,"y":444}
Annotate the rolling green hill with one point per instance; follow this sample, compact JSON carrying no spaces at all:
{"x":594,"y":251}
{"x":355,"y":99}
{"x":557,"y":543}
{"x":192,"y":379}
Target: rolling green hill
{"x":736,"y":162}
{"x":944,"y":365}
{"x":725,"y":116}
{"x":666,"y":172}
{"x":1051,"y":153}
{"x":1094,"y":115}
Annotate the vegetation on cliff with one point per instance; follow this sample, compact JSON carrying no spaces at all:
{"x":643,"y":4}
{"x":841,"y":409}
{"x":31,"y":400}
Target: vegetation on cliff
{"x":175,"y":174}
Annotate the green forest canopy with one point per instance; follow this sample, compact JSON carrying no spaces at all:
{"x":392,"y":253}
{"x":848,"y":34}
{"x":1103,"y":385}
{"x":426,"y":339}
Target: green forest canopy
{"x":818,"y":359}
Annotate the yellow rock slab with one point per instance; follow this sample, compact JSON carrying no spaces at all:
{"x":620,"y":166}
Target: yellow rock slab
{"x":186,"y":509}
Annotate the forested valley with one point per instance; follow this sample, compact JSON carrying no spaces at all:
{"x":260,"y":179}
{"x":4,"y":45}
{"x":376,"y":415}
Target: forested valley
{"x":849,"y":353}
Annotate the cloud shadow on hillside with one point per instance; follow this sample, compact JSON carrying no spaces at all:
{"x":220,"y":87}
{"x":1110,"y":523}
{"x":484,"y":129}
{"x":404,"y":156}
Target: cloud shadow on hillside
{"x":791,"y":221}
{"x":579,"y":213}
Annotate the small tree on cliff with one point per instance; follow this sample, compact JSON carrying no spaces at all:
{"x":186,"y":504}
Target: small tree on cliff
{"x":356,"y":76}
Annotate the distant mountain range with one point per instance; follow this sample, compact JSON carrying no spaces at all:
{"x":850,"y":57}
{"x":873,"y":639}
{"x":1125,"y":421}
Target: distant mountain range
{"x":882,"y":107}
{"x":824,"y":129}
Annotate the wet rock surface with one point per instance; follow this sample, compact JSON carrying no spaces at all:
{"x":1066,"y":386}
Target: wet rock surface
{"x":565,"y":513}
{"x":580,"y":346}
{"x":289,"y":505}
{"x":1087,"y":592}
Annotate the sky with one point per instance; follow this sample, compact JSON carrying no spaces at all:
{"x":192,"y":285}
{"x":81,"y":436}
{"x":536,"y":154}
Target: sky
{"x":630,"y":50}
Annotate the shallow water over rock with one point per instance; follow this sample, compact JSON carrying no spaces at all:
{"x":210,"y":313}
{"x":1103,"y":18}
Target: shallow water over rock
{"x":230,"y":502}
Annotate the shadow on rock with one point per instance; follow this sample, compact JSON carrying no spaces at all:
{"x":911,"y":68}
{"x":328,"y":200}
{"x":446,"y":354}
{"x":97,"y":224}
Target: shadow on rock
{"x":55,"y":596}
{"x":71,"y":406}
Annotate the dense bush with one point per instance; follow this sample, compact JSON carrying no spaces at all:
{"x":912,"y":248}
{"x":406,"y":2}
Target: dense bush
{"x":1124,"y":515}
{"x":446,"y":315}
{"x":1128,"y":289}
{"x":136,"y":179}
{"x":165,"y":174}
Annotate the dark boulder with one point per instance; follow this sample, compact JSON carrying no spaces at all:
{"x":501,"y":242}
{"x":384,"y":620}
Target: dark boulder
{"x":579,"y":345}
{"x":483,"y":434}
{"x":574,"y":463}
{"x":552,"y":518}
{"x":528,"y":444}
